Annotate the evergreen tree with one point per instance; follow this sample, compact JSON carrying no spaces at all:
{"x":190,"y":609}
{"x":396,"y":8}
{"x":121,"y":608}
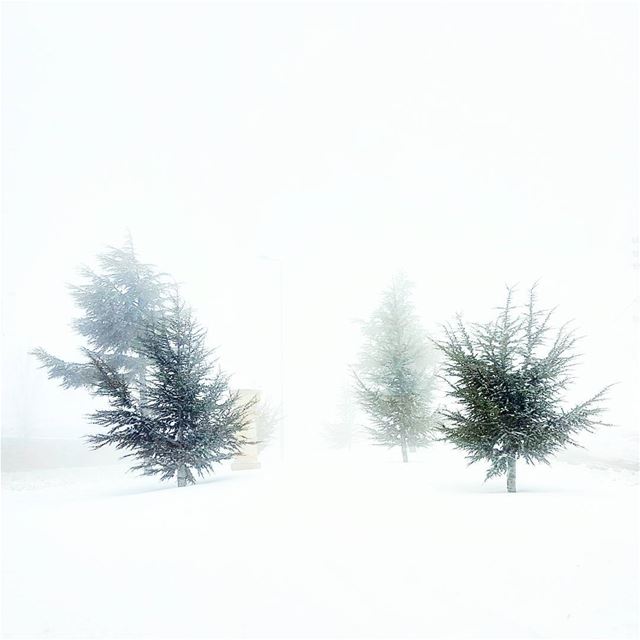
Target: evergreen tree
{"x":507,"y":378}
{"x":267,"y":418}
{"x":395,"y":378}
{"x":341,"y":433}
{"x":189,"y":418}
{"x":118,"y":299}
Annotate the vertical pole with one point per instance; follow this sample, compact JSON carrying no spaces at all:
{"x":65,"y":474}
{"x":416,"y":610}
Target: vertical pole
{"x":280,"y":264}
{"x":282,"y":411}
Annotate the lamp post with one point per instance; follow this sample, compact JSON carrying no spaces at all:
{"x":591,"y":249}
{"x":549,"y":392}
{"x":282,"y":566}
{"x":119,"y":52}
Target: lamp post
{"x":280,"y":265}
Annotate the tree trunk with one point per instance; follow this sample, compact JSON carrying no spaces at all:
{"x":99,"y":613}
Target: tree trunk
{"x":511,"y":475}
{"x":143,"y":390}
{"x":182,"y":475}
{"x":403,"y":445}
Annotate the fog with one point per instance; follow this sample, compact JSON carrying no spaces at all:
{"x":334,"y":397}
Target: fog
{"x":471,"y":146}
{"x":283,"y":162}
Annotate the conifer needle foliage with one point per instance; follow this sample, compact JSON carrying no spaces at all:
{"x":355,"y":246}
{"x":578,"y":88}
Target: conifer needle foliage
{"x":188,"y":420}
{"x":115,"y":300}
{"x":395,"y":377}
{"x":507,"y":379}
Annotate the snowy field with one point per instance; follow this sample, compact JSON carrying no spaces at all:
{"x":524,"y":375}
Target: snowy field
{"x":336,"y":545}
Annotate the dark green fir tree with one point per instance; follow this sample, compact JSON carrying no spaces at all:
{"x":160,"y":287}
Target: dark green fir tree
{"x":188,"y":420}
{"x":507,"y":379}
{"x":115,"y":301}
{"x":395,"y":377}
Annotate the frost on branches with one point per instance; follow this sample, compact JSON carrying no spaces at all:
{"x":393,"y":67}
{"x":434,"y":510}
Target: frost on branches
{"x":188,"y":419}
{"x":395,"y":378}
{"x":507,"y":379}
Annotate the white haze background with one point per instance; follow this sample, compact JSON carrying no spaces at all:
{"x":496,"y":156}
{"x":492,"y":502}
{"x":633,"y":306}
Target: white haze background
{"x":470,"y":145}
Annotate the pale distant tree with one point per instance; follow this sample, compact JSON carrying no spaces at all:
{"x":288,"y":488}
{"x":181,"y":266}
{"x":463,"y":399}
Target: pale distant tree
{"x":341,"y":433}
{"x":267,"y":419}
{"x":116,"y":301}
{"x":396,"y":374}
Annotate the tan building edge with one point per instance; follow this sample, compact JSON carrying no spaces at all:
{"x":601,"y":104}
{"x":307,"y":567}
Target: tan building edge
{"x":248,"y":459}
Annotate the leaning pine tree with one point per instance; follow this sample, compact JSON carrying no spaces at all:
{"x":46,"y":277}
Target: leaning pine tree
{"x":507,"y":379}
{"x":115,"y":301}
{"x":395,"y":377}
{"x":188,"y":420}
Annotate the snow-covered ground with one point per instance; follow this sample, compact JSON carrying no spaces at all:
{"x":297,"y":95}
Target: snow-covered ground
{"x":331,"y":545}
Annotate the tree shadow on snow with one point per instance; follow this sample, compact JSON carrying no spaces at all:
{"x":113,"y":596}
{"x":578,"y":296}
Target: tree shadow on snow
{"x":159,"y":486}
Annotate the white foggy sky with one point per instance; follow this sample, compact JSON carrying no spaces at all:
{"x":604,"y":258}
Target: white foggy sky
{"x":471,"y":145}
